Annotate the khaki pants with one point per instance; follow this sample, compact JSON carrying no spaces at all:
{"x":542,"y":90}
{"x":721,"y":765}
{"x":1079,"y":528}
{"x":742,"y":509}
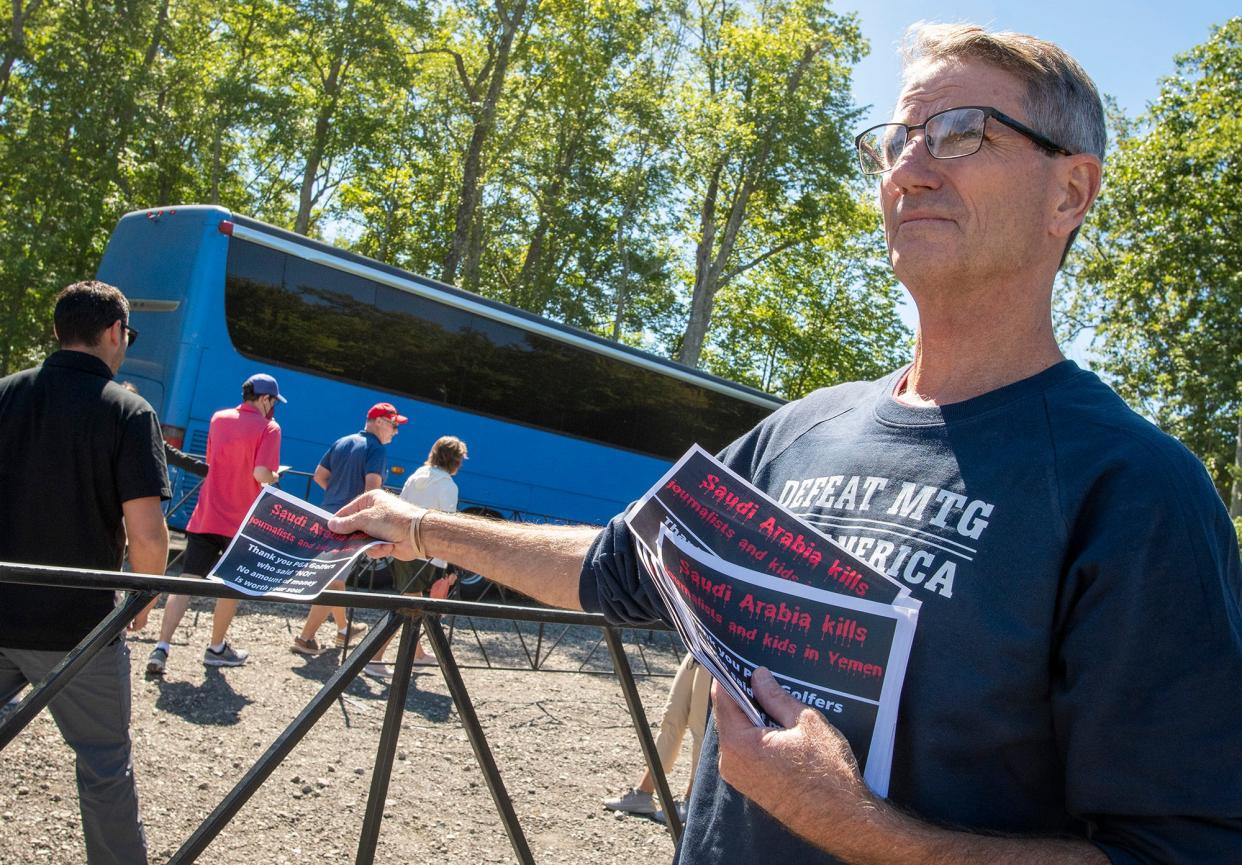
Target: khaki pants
{"x":686,"y":709}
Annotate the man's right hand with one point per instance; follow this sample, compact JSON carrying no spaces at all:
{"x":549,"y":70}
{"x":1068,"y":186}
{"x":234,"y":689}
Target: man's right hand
{"x":382,"y":515}
{"x":536,"y":559}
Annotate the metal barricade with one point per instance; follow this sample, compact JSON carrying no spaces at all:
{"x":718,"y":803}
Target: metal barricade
{"x":409,"y":615}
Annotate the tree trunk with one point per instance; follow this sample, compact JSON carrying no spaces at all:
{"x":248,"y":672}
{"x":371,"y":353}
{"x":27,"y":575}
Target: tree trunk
{"x":112,"y":158}
{"x":129,"y":110}
{"x":485,"y":121}
{"x":17,"y":42}
{"x":474,"y":255}
{"x":548,"y":202}
{"x":217,"y":146}
{"x":314,"y":159}
{"x":623,"y":280}
{"x":307,"y":197}
{"x":709,"y":268}
{"x":701,"y":298}
{"x":389,"y":228}
{"x":224,"y":110}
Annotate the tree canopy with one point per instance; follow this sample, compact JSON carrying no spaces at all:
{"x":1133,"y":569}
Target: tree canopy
{"x":1158,"y":273}
{"x":675,"y":174}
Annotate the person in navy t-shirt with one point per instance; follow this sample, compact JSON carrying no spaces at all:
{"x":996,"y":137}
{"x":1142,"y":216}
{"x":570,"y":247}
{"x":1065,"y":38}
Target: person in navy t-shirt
{"x":354,"y":464}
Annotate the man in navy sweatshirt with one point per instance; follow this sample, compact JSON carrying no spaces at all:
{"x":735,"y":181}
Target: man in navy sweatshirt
{"x":1072,"y":694}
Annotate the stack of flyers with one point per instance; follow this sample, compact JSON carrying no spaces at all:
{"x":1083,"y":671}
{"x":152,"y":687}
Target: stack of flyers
{"x":749,"y":584}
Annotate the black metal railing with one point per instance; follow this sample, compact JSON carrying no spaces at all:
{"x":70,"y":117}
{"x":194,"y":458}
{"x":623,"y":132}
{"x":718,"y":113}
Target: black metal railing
{"x":408,"y":614}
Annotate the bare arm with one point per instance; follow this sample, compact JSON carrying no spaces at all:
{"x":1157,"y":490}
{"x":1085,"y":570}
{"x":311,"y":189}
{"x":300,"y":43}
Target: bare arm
{"x":373,"y":482}
{"x":322,"y":476}
{"x":805,"y":776}
{"x":541,"y":561}
{"x":147,"y":533}
{"x":264,"y":475}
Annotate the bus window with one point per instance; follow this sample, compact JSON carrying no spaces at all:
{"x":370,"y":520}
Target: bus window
{"x":330,"y":322}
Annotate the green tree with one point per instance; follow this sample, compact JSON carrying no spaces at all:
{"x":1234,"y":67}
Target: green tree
{"x":557,"y":168}
{"x":21,"y":17}
{"x":333,"y":71}
{"x":825,"y":313}
{"x":765,"y":109}
{"x":1159,"y":275}
{"x":243,"y":95}
{"x":569,"y":156}
{"x":493,"y":35}
{"x":79,"y":111}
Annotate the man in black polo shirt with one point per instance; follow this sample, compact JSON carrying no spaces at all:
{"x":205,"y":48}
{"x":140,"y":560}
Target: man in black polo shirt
{"x":83,"y":469}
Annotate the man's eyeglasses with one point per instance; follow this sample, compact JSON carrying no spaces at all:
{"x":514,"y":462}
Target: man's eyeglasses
{"x":131,"y":335}
{"x":950,"y":134}
{"x":396,"y":428}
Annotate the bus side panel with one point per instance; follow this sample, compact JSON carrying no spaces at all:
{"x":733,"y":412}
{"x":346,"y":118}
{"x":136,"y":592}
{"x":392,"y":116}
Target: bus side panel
{"x":200,"y":332}
{"x":156,"y":258}
{"x":519,"y":467}
{"x":170,"y":264}
{"x":522,"y":471}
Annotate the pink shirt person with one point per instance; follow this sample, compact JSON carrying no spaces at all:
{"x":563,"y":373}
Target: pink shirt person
{"x":238,"y":440}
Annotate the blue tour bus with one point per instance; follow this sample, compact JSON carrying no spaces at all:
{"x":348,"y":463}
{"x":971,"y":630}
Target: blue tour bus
{"x":561,"y":424}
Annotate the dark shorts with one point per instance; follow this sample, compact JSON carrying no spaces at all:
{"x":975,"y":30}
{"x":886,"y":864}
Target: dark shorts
{"x":414,"y":578}
{"x":202,"y":551}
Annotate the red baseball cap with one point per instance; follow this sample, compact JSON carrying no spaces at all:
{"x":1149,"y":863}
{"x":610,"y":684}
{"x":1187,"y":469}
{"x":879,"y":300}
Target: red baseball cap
{"x":388,"y":410}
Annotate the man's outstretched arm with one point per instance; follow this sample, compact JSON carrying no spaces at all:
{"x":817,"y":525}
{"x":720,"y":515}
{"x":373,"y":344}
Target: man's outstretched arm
{"x":806,"y":777}
{"x":541,"y":561}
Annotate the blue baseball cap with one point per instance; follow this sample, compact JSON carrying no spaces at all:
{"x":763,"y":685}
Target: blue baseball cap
{"x":263,"y":384}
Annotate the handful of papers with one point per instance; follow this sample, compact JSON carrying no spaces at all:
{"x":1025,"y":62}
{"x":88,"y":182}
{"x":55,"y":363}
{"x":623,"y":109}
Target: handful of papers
{"x":749,"y":584}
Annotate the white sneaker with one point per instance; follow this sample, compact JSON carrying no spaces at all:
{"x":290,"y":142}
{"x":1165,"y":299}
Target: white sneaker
{"x":157,"y":662}
{"x":632,"y":801}
{"x":378,"y":669}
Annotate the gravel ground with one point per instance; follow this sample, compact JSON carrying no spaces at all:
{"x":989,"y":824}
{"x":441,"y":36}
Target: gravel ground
{"x":562,"y":739}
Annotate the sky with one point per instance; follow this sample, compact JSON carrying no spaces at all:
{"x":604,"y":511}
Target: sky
{"x":1125,"y":47}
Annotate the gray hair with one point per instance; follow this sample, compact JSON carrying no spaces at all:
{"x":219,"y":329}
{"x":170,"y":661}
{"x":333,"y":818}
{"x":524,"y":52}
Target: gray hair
{"x":1061,"y":100}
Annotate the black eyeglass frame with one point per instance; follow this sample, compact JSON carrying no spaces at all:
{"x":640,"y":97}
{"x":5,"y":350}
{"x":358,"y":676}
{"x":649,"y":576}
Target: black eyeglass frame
{"x":1043,"y":141}
{"x":131,"y":335}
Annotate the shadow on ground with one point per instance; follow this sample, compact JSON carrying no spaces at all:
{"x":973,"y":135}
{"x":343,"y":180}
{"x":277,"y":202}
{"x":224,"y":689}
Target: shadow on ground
{"x":433,"y":707}
{"x":213,"y":703}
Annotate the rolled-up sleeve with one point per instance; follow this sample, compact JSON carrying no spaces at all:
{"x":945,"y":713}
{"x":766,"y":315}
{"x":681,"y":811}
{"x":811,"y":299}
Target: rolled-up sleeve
{"x":614,"y":583}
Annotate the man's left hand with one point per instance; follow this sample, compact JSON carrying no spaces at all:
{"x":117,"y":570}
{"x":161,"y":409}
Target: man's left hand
{"x":804,"y":775}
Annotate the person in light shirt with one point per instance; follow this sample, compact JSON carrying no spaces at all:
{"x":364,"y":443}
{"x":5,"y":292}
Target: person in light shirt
{"x":431,"y":486}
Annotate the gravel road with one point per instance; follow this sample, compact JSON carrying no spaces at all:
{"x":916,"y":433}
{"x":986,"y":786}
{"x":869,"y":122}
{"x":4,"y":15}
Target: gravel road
{"x":562,"y":738}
